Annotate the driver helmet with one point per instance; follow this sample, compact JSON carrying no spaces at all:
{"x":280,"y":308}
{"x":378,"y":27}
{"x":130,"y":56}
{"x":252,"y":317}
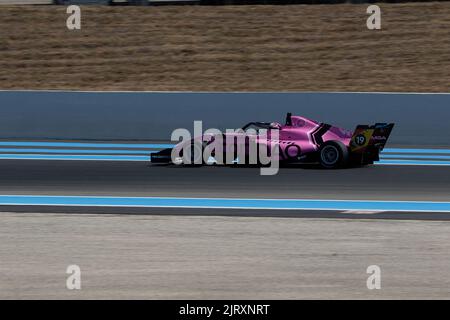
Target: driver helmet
{"x":275,"y":125}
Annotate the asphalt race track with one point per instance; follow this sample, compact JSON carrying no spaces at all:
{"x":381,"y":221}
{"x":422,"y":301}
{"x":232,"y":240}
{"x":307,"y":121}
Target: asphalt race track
{"x":127,"y":252}
{"x":141,"y":179}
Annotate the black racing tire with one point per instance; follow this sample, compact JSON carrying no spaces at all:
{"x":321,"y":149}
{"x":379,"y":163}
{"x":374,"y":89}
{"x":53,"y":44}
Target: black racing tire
{"x":194,"y":156}
{"x":333,"y":155}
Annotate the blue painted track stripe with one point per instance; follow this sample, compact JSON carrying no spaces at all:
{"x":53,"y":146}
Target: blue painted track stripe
{"x":85,"y":145}
{"x":433,"y":151}
{"x":414,"y":156}
{"x":12,"y":151}
{"x":106,"y":152}
{"x":73,"y":151}
{"x":229,"y":203}
{"x":413,"y":162}
{"x":73,"y":157}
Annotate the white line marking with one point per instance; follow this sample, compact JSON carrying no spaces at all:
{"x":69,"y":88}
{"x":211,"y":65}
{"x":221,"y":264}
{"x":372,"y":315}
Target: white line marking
{"x":363,"y":211}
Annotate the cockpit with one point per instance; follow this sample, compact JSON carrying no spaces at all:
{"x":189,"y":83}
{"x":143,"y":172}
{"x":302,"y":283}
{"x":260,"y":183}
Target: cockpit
{"x":262,"y":125}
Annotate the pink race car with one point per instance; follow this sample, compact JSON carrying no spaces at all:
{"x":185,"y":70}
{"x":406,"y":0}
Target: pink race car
{"x":299,"y":140}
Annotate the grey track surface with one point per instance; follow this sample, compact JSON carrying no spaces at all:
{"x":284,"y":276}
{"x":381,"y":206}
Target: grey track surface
{"x":167,"y":257}
{"x":142,"y":179}
{"x":248,"y":254}
{"x":38,"y":177}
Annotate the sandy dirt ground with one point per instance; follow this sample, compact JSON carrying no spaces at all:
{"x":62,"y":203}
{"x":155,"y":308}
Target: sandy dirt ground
{"x":167,"y":257}
{"x":227,"y":48}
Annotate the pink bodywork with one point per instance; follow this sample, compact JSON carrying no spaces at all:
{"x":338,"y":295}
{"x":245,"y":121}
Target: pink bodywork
{"x":304,"y":133}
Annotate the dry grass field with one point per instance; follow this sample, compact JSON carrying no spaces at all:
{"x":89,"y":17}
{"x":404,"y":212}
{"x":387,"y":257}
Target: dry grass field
{"x":227,"y":48}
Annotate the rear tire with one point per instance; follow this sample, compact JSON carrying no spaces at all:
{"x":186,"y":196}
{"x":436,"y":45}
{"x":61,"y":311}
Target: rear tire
{"x":333,"y":155}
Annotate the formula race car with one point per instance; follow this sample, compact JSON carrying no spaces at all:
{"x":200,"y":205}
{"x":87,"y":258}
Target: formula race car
{"x":299,"y":140}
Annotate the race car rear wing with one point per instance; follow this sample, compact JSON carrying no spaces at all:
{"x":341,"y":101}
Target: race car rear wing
{"x":374,"y":136}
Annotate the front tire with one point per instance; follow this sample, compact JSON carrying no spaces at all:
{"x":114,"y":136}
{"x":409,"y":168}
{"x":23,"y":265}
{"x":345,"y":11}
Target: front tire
{"x":194,"y":156}
{"x":333,"y":155}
